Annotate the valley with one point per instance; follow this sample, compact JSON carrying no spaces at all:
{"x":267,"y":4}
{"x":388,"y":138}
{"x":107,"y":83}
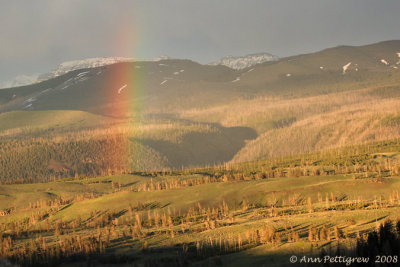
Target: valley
{"x":174,"y":163}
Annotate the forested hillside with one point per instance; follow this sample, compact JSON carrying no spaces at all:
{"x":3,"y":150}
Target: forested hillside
{"x":174,"y":114}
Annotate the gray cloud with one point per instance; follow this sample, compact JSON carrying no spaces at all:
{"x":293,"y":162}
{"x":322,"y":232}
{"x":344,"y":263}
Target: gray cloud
{"x":37,"y":35}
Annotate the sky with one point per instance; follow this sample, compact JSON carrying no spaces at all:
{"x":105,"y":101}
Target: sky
{"x":36,"y":36}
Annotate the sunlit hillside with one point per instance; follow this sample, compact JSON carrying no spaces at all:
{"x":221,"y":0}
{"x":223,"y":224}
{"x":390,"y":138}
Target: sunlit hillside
{"x":238,"y":214}
{"x":174,"y":114}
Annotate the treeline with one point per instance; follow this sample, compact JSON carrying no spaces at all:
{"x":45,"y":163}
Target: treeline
{"x":342,"y":157}
{"x":46,"y":159}
{"x":41,"y":160}
{"x":382,"y":246}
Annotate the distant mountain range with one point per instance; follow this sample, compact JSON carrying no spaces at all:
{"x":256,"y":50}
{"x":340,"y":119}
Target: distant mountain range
{"x":68,"y":66}
{"x":243,"y":62}
{"x":232,"y":62}
{"x":327,"y":70}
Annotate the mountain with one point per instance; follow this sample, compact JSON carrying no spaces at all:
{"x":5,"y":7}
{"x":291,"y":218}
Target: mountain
{"x":89,"y":63}
{"x":175,"y":85}
{"x":243,"y":62}
{"x":97,"y":89}
{"x":68,"y":66}
{"x":180,"y":113}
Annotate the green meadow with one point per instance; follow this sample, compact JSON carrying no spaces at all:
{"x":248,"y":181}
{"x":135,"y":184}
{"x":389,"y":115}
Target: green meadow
{"x":232,"y":215}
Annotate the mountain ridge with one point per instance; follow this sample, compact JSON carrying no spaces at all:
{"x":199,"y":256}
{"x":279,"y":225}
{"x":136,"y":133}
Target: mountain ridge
{"x":242,"y":62}
{"x":69,"y":66}
{"x":233,"y":62}
{"x":172,"y":84}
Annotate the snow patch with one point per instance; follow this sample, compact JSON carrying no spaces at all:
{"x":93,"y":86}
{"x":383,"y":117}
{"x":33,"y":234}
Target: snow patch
{"x":236,"y":80}
{"x":122,"y":88}
{"x":28,"y":106}
{"x":250,"y":70}
{"x":288,"y":75}
{"x":163,"y":82}
{"x":384,"y":62}
{"x":176,"y":72}
{"x":321,"y":67}
{"x":83,"y":64}
{"x":161,"y":64}
{"x":30,"y":100}
{"x":83,"y":79}
{"x":82,"y":74}
{"x":164,"y":57}
{"x":181,"y":70}
{"x":394,"y":67}
{"x":345,"y":67}
{"x":239,"y":63}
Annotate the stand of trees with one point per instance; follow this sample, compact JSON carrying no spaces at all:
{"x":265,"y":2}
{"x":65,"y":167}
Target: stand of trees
{"x":27,"y":161}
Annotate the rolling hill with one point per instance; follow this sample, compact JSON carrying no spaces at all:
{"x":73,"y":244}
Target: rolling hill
{"x":182,"y":114}
{"x":174,"y":163}
{"x":183,"y":83}
{"x":235,"y":215}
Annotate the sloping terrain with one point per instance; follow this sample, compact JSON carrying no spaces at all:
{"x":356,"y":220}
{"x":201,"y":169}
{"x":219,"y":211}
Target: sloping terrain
{"x":175,"y":114}
{"x":113,"y":89}
{"x":170,"y":85}
{"x":173,"y":163}
{"x":237,"y":215}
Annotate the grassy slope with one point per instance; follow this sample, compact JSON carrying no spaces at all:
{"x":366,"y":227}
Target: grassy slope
{"x":44,"y":120}
{"x":212,"y":195}
{"x":261,"y":193}
{"x":181,"y":199}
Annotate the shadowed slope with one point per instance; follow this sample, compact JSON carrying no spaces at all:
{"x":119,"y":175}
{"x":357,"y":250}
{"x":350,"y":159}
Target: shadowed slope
{"x":200,"y":149}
